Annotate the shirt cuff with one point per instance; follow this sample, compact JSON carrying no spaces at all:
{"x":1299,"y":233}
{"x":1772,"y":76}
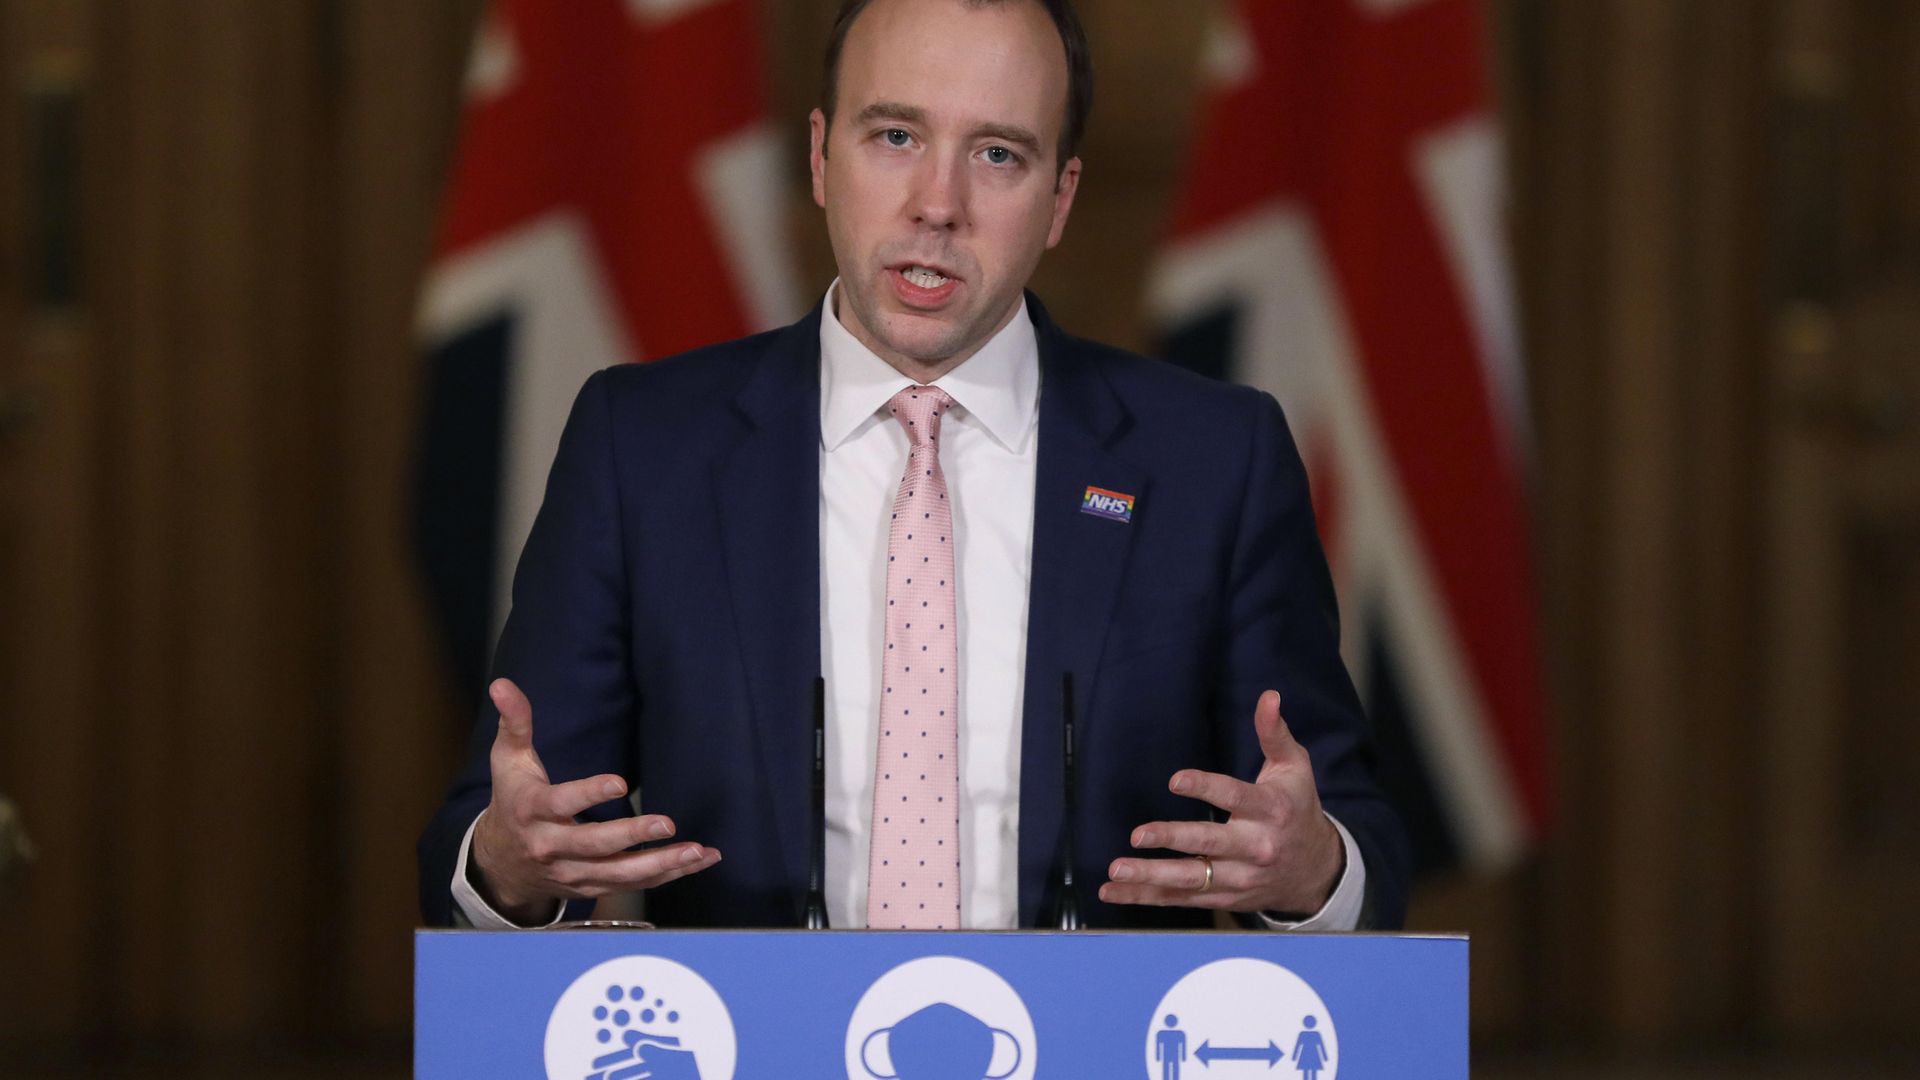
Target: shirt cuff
{"x":471,"y":910}
{"x":1342,"y":909}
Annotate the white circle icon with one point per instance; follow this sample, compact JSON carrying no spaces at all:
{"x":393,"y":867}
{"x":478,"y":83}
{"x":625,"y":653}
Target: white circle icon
{"x":940,"y":1017}
{"x":640,"y":1016}
{"x":1241,"y":1010}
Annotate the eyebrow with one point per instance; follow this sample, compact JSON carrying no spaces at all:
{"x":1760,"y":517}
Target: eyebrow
{"x":1012,"y":133}
{"x":911,"y":114}
{"x":892,"y":110}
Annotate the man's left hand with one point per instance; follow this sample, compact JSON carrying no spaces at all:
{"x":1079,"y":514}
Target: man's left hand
{"x":1275,"y":852}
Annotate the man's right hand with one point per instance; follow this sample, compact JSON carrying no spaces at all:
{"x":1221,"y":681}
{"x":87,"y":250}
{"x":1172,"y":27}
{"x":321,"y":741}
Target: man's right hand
{"x":528,"y":851}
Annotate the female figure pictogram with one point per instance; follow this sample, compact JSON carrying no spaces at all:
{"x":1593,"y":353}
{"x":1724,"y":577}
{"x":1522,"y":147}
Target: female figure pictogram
{"x":1309,"y":1052}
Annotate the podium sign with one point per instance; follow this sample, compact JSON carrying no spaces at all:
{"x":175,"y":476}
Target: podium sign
{"x":877,"y":1005}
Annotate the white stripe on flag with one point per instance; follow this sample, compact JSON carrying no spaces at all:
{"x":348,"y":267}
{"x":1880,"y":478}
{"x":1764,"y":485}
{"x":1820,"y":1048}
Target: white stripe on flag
{"x":1229,"y":57}
{"x":1463,"y":179}
{"x":739,"y":179}
{"x":494,"y":63}
{"x":659,"y":11}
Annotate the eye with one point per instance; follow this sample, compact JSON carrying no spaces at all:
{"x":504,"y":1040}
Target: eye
{"x":1000,"y":155}
{"x":896,"y":137}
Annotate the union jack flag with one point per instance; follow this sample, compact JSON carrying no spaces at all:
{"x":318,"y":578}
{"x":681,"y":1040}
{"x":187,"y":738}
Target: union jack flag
{"x":616,"y":197}
{"x":1339,"y":244}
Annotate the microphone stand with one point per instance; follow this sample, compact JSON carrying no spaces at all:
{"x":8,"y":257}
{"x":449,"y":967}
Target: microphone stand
{"x":815,"y":917}
{"x":1067,"y":915}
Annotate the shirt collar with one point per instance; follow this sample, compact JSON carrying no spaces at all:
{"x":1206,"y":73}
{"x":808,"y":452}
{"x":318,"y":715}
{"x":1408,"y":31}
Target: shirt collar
{"x":999,"y":386}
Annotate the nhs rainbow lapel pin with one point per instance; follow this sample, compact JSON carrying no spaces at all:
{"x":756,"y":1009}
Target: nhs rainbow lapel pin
{"x":1112,"y":505}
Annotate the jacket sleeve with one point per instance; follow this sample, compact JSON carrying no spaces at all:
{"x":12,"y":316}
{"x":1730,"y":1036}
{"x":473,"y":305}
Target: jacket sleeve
{"x":1284,"y":634}
{"x":565,"y":643}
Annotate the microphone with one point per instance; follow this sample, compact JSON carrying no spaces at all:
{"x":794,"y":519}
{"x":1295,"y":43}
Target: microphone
{"x":1067,"y":916}
{"x":816,"y":909}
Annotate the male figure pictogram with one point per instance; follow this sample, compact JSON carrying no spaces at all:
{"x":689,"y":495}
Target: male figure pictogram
{"x":1170,"y":1049}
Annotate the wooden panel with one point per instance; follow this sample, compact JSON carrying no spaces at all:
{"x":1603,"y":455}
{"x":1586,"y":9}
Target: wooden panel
{"x":141,"y":452}
{"x":1879,"y":812}
{"x":51,"y":740}
{"x":1640,"y":497}
{"x":204,"y":567}
{"x":1637,"y":128}
{"x":1557,"y":127}
{"x":397,"y":731}
{"x":1846,"y":525}
{"x":1843,"y":503}
{"x":1716,"y":854}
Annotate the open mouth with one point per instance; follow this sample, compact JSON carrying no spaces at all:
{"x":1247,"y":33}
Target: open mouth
{"x":924,"y":277}
{"x":922,"y":286}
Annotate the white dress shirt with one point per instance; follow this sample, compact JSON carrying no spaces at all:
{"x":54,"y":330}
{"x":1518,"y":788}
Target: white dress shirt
{"x":988,"y":451}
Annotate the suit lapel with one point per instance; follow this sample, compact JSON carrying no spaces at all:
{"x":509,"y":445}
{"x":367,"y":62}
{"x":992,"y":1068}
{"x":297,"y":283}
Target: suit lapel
{"x":1078,"y":562}
{"x":768,"y":491}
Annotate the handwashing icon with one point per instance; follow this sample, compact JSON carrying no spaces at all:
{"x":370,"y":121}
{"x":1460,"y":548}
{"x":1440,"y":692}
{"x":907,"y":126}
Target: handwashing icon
{"x":940,"y":1042}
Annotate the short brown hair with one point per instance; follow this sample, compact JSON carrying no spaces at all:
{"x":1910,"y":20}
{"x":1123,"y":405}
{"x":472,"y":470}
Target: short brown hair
{"x":1072,"y":36}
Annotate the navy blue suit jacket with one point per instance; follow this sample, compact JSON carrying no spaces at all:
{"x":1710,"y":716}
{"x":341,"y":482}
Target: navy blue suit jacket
{"x":666,"y":620}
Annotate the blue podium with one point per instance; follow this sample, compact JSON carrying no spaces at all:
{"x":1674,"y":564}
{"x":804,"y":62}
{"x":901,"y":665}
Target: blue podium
{"x":874,"y":1005}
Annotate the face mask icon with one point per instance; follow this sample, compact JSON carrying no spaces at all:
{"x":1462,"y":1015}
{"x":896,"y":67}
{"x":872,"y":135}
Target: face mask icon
{"x":939,"y":1042}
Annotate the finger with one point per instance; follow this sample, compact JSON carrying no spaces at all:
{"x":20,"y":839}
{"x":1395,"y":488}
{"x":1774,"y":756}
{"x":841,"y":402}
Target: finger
{"x":1219,"y":841}
{"x":516,"y":713}
{"x":599,"y":839}
{"x":562,"y":801}
{"x":620,"y":870}
{"x":1226,"y":792}
{"x":1276,"y":740}
{"x":1185,"y":875}
{"x":709,"y":858}
{"x":1188,"y":874}
{"x":1158,"y":896}
{"x":634,"y":870}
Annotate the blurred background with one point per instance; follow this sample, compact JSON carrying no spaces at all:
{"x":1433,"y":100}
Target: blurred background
{"x":239,"y":289}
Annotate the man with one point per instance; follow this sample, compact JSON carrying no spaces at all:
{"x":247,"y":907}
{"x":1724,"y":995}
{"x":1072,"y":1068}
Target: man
{"x":924,"y":472}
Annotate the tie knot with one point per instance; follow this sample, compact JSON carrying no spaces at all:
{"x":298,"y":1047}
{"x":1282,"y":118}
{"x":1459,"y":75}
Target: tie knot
{"x":918,"y":409}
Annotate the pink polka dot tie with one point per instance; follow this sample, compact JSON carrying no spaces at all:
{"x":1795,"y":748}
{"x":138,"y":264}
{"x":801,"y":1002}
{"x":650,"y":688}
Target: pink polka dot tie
{"x":913,"y":870}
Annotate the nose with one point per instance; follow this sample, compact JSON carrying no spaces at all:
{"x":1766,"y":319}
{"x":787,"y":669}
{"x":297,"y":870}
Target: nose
{"x":940,"y":193}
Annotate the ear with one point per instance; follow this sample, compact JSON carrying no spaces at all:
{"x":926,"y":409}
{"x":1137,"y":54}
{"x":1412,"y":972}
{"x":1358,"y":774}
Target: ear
{"x":1063,"y":200}
{"x":817,"y":155}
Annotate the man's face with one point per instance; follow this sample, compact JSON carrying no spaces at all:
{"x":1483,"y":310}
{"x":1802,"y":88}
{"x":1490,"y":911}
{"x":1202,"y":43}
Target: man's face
{"x":939,"y":176}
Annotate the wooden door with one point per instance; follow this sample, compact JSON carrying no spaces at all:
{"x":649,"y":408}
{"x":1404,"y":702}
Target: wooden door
{"x":221,"y":714}
{"x":49,"y":732}
{"x":1842,"y":718}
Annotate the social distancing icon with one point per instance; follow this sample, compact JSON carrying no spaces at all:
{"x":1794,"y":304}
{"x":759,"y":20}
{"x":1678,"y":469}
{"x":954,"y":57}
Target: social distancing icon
{"x":1241,"y":1017}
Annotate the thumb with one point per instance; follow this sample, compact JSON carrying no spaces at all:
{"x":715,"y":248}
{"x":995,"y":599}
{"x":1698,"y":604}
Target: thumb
{"x":1276,"y":742}
{"x":516,"y":714}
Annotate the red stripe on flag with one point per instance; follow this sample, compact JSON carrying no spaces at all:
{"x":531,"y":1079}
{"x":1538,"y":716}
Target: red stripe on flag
{"x":1323,"y":485}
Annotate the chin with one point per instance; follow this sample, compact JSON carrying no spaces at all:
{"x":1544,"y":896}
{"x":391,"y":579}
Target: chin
{"x":920,"y":337}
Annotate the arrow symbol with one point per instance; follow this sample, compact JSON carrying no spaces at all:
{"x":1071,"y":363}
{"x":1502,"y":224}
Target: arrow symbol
{"x":1208,"y":1053}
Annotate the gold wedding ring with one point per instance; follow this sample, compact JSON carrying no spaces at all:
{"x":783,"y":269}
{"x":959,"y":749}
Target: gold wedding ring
{"x":1208,"y":882}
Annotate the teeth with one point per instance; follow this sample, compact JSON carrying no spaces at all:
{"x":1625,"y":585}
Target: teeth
{"x":923,"y":277}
